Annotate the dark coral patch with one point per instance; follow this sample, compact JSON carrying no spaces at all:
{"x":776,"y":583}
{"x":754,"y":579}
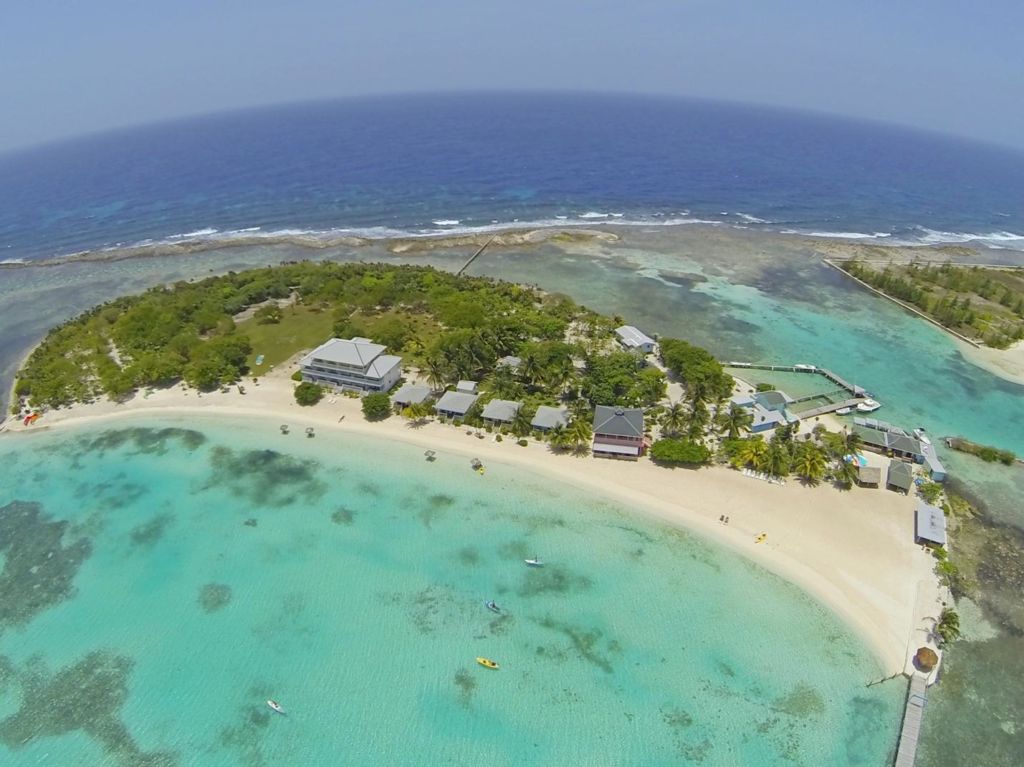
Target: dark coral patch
{"x":265,"y":477}
{"x":552,"y":580}
{"x":469,"y":556}
{"x":39,"y":569}
{"x":148,"y":533}
{"x":343,"y":516}
{"x":586,"y":643}
{"x":214,"y":597}
{"x":144,"y":440}
{"x":466,"y":683}
{"x":802,"y":701}
{"x":86,"y":696}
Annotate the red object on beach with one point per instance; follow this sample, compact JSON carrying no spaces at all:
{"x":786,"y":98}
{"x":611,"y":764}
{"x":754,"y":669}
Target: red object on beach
{"x":30,"y":418}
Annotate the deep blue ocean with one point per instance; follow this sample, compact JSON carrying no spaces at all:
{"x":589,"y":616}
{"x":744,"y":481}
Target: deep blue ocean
{"x":384,"y":166}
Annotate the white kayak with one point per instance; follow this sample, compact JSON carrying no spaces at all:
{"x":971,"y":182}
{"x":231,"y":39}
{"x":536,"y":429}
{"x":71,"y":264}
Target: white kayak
{"x":535,"y":562}
{"x":276,"y":706}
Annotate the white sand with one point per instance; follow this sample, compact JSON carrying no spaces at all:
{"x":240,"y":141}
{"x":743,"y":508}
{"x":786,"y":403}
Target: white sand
{"x":1008,"y":364}
{"x":852,"y":550}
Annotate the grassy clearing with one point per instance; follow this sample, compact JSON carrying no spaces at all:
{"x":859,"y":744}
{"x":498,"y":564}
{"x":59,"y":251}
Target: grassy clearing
{"x":301,"y":327}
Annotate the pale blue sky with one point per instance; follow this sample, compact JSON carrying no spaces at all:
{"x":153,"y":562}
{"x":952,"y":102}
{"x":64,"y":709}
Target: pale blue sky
{"x":76,"y":66}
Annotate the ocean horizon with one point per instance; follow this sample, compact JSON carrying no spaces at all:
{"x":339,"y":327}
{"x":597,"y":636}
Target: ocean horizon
{"x":466,"y":163}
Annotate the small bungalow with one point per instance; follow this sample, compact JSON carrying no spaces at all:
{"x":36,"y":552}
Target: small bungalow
{"x":455,"y":404}
{"x":466,"y":386}
{"x":929,"y":524}
{"x":633,"y":339}
{"x":510,"y":362}
{"x":410,"y":394}
{"x":499,"y":411}
{"x":547,"y":418}
{"x":869,"y":476}
{"x":618,"y":432}
{"x":900,"y":476}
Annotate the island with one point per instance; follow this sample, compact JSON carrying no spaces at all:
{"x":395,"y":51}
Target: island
{"x":500,"y":372}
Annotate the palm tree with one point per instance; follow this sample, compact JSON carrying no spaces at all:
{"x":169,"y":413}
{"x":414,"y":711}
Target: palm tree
{"x":698,"y":419}
{"x":753,"y":453}
{"x":846,"y":473}
{"x":560,"y":373}
{"x":502,"y":383}
{"x":417,"y":412}
{"x":778,"y":459}
{"x":853,"y":443}
{"x":736,"y":421}
{"x":531,"y":370}
{"x":810,"y":463}
{"x":557,"y":436}
{"x":674,"y":418}
{"x":520,"y":424}
{"x":436,"y":371}
{"x":579,"y":433}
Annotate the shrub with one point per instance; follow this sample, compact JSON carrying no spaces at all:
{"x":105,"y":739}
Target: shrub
{"x":457,"y":422}
{"x":297,"y":375}
{"x":307,"y":393}
{"x":679,"y":451}
{"x":376,"y":406}
{"x":268,"y":315}
{"x":522,"y":443}
{"x":497,"y":438}
{"x":930,"y":491}
{"x":764,"y":387}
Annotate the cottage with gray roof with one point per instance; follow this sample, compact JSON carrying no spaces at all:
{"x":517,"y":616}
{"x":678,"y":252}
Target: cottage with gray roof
{"x":635,"y":340}
{"x":547,"y":418}
{"x":890,"y":442}
{"x":410,"y":394}
{"x":500,"y":410}
{"x":455,"y":404}
{"x":618,"y":432}
{"x":356,"y":363}
{"x":900,"y":476}
{"x":510,"y":362}
{"x":929,"y":524}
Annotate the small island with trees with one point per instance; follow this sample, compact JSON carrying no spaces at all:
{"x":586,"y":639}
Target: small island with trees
{"x":983,"y":304}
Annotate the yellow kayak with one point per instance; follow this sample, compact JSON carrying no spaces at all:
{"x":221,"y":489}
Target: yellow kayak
{"x":487,"y":663}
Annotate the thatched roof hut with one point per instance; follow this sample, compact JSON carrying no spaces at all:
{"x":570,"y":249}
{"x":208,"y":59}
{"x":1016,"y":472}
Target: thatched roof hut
{"x":926,"y":659}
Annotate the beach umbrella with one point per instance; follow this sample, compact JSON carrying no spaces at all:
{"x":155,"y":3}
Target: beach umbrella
{"x":926,"y":659}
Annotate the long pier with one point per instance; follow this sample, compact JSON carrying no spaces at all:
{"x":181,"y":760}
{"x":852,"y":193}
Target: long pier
{"x":858,"y":393}
{"x":474,"y":257}
{"x":913,"y":715}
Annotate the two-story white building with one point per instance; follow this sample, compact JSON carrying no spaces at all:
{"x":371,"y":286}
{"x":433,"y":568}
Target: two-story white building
{"x":357,"y":363}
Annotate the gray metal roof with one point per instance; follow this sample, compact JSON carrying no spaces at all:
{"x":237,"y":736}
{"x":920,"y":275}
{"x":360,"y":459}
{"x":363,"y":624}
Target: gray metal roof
{"x":501,"y":410}
{"x":466,"y":386}
{"x":457,"y":402}
{"x":930,"y":523}
{"x":932,"y":460}
{"x":900,"y":474}
{"x":618,"y":422}
{"x":548,"y":417}
{"x":411,"y":394}
{"x":509,"y":362}
{"x":770,"y":399}
{"x":890,"y":440}
{"x":356,"y":352}
{"x":631,"y":336}
{"x":382,"y":365}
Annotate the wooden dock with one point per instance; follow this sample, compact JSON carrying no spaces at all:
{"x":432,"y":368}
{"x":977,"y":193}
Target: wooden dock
{"x":474,"y":257}
{"x":913,"y":715}
{"x":857,"y":393}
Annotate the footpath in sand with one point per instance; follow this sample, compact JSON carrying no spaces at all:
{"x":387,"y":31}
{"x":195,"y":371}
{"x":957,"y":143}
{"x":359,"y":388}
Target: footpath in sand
{"x":853,"y":550}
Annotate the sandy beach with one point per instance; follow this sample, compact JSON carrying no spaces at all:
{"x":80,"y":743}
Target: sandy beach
{"x":1008,"y":364}
{"x":853,"y":551}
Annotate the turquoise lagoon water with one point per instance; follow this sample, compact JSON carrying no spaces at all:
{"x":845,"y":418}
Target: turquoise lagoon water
{"x":166,"y":578}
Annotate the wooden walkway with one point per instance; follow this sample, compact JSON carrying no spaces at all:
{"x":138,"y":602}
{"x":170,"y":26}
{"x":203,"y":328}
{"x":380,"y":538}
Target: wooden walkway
{"x":913,"y":715}
{"x":474,"y":257}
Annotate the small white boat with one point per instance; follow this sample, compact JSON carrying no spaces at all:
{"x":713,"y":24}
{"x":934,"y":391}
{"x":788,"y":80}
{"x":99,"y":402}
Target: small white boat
{"x":868,"y":406}
{"x":535,"y":562}
{"x":276,"y":706}
{"x":492,"y":606}
{"x":922,"y":437}
{"x":844,"y":411}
